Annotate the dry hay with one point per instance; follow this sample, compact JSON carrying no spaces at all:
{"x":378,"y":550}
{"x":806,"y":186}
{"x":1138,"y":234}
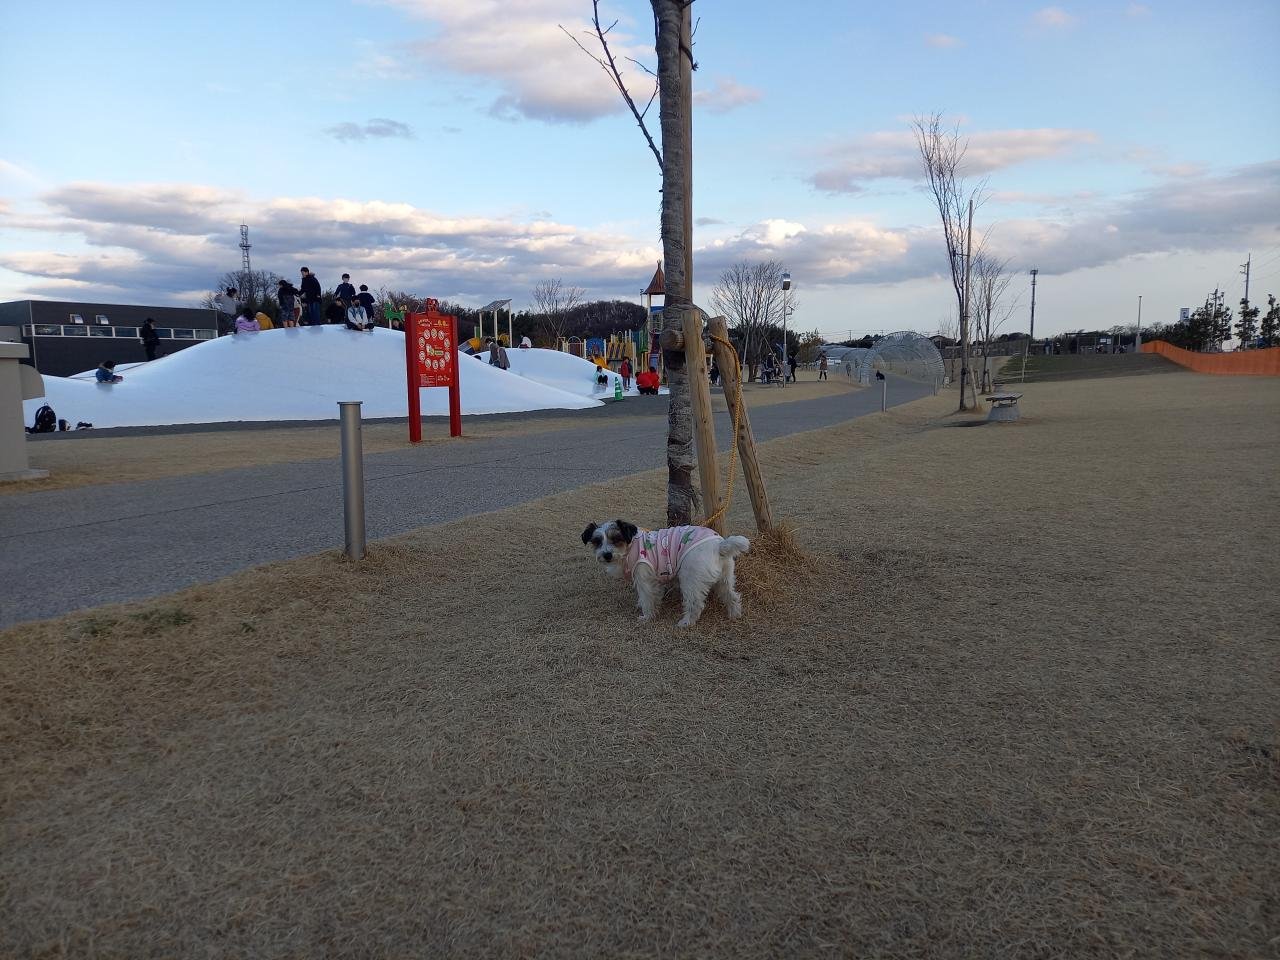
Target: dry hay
{"x":1029,"y":716}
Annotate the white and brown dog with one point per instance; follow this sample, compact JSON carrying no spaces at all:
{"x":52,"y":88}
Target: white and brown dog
{"x":698,"y":558}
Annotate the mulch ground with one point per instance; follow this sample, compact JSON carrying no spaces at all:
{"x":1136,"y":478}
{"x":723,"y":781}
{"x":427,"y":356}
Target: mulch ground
{"x":1015,"y":698}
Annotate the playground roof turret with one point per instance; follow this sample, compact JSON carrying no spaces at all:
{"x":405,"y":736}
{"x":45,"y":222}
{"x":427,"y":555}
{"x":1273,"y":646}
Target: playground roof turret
{"x":658,"y":285}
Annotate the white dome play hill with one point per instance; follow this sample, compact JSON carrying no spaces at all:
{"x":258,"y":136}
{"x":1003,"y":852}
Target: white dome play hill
{"x":298,"y":374}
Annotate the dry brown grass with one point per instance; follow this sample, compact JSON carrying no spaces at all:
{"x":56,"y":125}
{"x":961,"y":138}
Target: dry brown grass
{"x":89,"y":461}
{"x":1019,"y":700}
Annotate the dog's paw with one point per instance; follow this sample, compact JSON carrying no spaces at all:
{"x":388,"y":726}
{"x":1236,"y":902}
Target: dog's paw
{"x":685,"y":622}
{"x":735,"y":613}
{"x":644,"y":619}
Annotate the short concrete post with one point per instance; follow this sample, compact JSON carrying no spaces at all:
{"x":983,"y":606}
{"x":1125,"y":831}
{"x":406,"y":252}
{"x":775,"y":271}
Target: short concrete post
{"x":352,"y":478}
{"x":17,"y":383}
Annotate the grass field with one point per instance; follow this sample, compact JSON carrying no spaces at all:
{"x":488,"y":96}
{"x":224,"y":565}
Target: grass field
{"x":1016,"y":699}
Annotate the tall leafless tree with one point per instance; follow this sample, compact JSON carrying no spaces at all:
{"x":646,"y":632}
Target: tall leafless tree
{"x":749,"y":297}
{"x":674,"y":90}
{"x":990,"y":305}
{"x":553,"y":301}
{"x":942,"y":153}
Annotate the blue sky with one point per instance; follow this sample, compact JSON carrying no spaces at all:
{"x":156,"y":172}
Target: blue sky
{"x":468,"y":150}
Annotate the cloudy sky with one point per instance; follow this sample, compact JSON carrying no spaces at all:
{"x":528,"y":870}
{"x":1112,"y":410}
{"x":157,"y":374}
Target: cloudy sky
{"x":467,"y":149}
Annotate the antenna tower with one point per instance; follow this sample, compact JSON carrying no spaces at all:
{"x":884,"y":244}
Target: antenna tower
{"x":247,"y":278}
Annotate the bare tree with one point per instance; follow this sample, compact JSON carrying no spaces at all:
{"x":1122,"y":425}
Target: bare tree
{"x":553,"y":301}
{"x":749,"y":297}
{"x":256,"y":289}
{"x":942,"y":153}
{"x":990,"y":285}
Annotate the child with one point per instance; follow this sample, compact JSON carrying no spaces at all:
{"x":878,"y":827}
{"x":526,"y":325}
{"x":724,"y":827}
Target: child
{"x":106,"y":372}
{"x":246,"y":323}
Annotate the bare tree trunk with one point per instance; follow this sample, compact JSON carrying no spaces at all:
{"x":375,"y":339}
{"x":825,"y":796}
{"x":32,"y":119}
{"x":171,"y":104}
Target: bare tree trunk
{"x":675,"y":62}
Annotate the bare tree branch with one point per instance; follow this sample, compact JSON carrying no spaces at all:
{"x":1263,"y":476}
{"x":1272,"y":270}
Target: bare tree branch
{"x":553,"y":300}
{"x":610,"y":66}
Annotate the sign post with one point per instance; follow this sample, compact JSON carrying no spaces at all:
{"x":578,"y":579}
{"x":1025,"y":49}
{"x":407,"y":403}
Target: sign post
{"x":431,"y":360}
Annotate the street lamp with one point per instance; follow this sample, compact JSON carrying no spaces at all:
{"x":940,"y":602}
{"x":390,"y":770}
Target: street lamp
{"x":786,"y":288}
{"x":1031,"y":338}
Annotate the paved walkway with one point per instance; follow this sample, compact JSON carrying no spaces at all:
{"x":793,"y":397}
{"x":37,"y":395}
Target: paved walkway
{"x":71,"y":549}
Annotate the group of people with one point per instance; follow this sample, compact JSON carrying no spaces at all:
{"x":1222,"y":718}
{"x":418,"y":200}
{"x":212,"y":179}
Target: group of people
{"x":301,"y":306}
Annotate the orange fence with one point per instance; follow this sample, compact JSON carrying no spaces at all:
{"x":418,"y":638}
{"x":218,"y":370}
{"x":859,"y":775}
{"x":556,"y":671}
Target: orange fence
{"x":1255,"y":363}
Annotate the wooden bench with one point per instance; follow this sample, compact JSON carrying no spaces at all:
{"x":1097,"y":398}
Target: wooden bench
{"x":1004,"y":407}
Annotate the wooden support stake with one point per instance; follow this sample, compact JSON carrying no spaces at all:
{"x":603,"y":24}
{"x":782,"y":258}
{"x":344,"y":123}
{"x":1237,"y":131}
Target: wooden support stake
{"x":726,"y":360}
{"x":704,"y":428}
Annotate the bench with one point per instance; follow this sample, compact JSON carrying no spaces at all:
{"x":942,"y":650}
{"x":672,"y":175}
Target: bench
{"x":1004,"y":407}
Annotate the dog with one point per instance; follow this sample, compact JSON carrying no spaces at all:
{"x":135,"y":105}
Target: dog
{"x":698,"y":558}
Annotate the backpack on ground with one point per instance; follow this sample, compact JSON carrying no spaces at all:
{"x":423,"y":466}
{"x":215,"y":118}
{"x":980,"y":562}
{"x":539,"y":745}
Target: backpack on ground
{"x":46,"y":420}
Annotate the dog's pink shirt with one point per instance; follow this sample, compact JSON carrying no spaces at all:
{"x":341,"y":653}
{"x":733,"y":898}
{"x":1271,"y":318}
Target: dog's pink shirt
{"x":663,"y":550}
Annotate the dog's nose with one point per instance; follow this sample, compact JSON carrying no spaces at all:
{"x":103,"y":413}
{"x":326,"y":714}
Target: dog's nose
{"x":608,"y":557}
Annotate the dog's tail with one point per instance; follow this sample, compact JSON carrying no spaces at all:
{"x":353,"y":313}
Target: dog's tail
{"x":732,"y":546}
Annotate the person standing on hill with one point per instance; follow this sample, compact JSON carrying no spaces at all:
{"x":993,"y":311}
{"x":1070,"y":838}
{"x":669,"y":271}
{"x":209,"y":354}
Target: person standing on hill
{"x":367,"y":301}
{"x":150,"y":339}
{"x":227,"y":305}
{"x":287,"y":297}
{"x":311,"y":297}
{"x":345,"y":291}
{"x":822,"y":367}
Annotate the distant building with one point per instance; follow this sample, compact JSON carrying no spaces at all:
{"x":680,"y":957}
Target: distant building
{"x":67,"y":338}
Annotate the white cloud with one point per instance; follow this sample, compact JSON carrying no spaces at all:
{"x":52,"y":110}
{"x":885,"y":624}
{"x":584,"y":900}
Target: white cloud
{"x":895,"y":155}
{"x":1137,"y":10}
{"x":154,"y":243}
{"x":379,"y":128}
{"x":520,"y":47}
{"x":724,"y":95}
{"x":1053,"y":18}
{"x":942,"y":40}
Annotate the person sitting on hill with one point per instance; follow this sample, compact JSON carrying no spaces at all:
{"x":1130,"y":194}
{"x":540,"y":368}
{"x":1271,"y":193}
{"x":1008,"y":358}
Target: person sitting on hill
{"x":358,"y":319}
{"x":106,"y":372}
{"x":264,"y":321}
{"x":647,"y":382}
{"x":246,"y":323}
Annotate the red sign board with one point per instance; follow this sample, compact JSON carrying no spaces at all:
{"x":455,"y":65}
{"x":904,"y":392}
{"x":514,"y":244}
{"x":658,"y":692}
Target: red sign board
{"x":431,"y":360}
{"x":437,"y":352}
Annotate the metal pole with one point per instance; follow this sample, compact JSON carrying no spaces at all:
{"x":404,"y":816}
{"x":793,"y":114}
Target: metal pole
{"x":352,"y":478}
{"x":1033,"y":309}
{"x":1137,"y":334}
{"x":884,"y":394}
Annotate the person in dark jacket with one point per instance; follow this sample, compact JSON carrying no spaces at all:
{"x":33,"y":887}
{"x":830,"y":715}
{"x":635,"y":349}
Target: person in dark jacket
{"x":791,"y":362}
{"x":366,"y":300}
{"x":345,"y":291}
{"x":287,"y":297}
{"x":150,"y":339}
{"x":311,"y":297}
{"x":335,"y":312}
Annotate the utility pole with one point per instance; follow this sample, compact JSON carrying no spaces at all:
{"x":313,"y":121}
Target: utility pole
{"x":965,"y":375}
{"x":1032,"y":335}
{"x":786,"y":289}
{"x":1137,"y":334}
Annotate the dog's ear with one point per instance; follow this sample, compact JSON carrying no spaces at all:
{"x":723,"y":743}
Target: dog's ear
{"x":586,"y":534}
{"x":628,"y":530}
